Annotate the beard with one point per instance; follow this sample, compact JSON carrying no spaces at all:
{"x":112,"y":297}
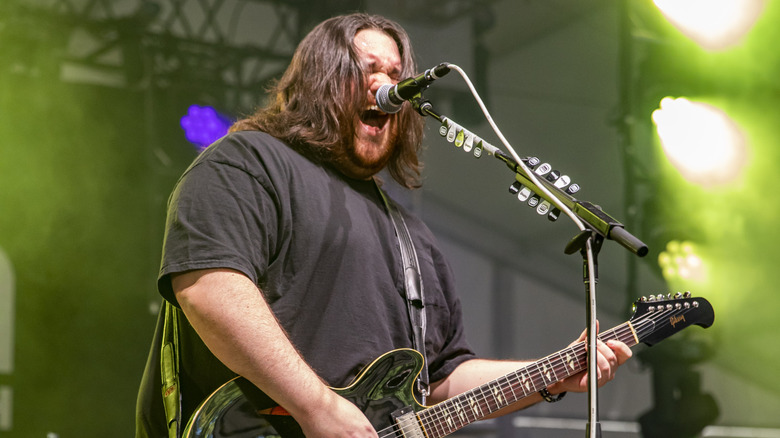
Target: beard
{"x":373,"y":145}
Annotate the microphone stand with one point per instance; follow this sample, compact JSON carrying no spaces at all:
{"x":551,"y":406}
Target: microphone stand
{"x":598,"y":227}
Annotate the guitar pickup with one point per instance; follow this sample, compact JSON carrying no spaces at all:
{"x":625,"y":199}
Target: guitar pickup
{"x":408,"y":423}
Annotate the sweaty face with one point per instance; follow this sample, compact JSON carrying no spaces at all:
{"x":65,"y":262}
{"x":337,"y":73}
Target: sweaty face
{"x":376,"y":132}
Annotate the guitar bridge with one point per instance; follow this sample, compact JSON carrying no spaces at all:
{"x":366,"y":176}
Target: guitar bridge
{"x":408,"y":423}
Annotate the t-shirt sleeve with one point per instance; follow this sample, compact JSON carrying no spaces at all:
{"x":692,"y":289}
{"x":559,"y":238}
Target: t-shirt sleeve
{"x":219,"y":216}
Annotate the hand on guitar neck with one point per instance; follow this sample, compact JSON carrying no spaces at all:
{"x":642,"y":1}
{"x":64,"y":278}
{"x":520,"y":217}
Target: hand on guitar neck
{"x":473,"y":373}
{"x":611,"y":355}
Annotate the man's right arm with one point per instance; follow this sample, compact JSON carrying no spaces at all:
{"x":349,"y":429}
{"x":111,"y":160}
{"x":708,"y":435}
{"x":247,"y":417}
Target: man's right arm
{"x":233,"y":319}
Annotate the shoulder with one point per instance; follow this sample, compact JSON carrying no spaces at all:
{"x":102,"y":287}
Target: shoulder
{"x":255,"y":153}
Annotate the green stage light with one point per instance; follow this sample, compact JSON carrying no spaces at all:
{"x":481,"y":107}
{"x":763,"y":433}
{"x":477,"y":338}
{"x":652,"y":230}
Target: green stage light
{"x":713,"y":24}
{"x":682,"y":265}
{"x":701,"y":141}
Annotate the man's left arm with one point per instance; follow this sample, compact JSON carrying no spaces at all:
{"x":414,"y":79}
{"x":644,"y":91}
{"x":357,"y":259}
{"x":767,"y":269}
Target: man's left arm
{"x":475,"y":372}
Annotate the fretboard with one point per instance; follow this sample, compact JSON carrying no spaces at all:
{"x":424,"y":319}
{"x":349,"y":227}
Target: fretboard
{"x":451,"y":415}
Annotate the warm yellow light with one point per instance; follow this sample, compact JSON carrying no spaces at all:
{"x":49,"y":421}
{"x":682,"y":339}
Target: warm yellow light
{"x":701,"y":141}
{"x":713,"y":24}
{"x":680,"y":262}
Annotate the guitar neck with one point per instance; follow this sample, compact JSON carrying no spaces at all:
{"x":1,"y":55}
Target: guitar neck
{"x":451,"y":415}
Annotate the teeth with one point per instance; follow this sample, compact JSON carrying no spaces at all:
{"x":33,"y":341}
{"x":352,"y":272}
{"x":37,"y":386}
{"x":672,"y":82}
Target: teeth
{"x":373,"y":108}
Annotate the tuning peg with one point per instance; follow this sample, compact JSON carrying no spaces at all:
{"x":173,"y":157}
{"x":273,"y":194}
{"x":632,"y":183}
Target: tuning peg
{"x":678,"y":295}
{"x":643,"y":299}
{"x":687,"y":294}
{"x":660,"y":297}
{"x":515,"y":188}
{"x":651,"y":298}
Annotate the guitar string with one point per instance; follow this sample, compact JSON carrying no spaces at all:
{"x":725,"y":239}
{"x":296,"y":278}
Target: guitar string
{"x":555,"y":360}
{"x":559,"y":367}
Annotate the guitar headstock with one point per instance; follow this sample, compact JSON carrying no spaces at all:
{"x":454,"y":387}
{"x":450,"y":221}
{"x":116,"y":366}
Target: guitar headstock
{"x":658,"y":317}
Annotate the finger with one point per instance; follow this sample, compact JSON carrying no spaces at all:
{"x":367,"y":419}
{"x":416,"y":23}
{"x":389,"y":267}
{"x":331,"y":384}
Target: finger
{"x":621,"y":350}
{"x":607,"y":362}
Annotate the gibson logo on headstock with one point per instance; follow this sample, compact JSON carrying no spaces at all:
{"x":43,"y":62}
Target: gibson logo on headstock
{"x":675,"y":319}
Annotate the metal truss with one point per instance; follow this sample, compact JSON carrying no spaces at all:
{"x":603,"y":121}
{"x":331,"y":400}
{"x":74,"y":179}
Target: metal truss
{"x":229,"y":49}
{"x":145,"y":43}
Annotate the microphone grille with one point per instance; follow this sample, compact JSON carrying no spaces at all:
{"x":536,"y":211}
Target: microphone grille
{"x":383,"y":100}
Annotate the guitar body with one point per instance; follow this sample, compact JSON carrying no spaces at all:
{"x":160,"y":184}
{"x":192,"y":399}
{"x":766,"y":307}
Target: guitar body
{"x":382,"y":388}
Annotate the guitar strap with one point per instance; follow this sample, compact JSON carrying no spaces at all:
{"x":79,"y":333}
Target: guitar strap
{"x":414,"y":288}
{"x":169,"y":364}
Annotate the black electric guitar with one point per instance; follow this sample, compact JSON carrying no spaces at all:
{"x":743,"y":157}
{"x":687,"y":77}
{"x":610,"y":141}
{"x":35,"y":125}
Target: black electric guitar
{"x":384,"y":390}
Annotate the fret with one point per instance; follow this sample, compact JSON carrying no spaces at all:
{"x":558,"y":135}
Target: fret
{"x":449,"y":420}
{"x":548,"y":372}
{"x":572,"y":362}
{"x":538,"y":377}
{"x":435,"y":420}
{"x":513,"y":397}
{"x":460,"y":413}
{"x":498,"y":396}
{"x":476,"y":409}
{"x":526,"y":382}
{"x":610,"y":334}
{"x":444,"y":419}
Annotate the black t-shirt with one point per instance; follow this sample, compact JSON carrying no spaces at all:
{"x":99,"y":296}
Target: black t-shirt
{"x":322,"y":249}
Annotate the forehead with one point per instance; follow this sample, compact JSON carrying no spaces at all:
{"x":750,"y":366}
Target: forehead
{"x":377,"y":46}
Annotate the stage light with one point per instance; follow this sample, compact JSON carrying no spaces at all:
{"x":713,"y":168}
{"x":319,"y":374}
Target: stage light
{"x":701,"y":141}
{"x":204,"y":125}
{"x":713,"y":24}
{"x":681,"y":262}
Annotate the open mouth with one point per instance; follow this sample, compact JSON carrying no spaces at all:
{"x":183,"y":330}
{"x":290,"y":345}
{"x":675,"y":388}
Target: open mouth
{"x":373,"y":117}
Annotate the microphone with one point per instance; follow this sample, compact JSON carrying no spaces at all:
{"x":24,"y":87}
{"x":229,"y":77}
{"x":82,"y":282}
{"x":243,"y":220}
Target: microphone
{"x":389,"y":98}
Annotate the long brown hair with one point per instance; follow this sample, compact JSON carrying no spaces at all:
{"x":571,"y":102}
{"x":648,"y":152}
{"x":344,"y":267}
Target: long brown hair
{"x":313,"y":105}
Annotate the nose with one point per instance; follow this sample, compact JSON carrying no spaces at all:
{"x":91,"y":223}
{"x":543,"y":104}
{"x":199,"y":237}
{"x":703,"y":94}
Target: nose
{"x":376,"y":80}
